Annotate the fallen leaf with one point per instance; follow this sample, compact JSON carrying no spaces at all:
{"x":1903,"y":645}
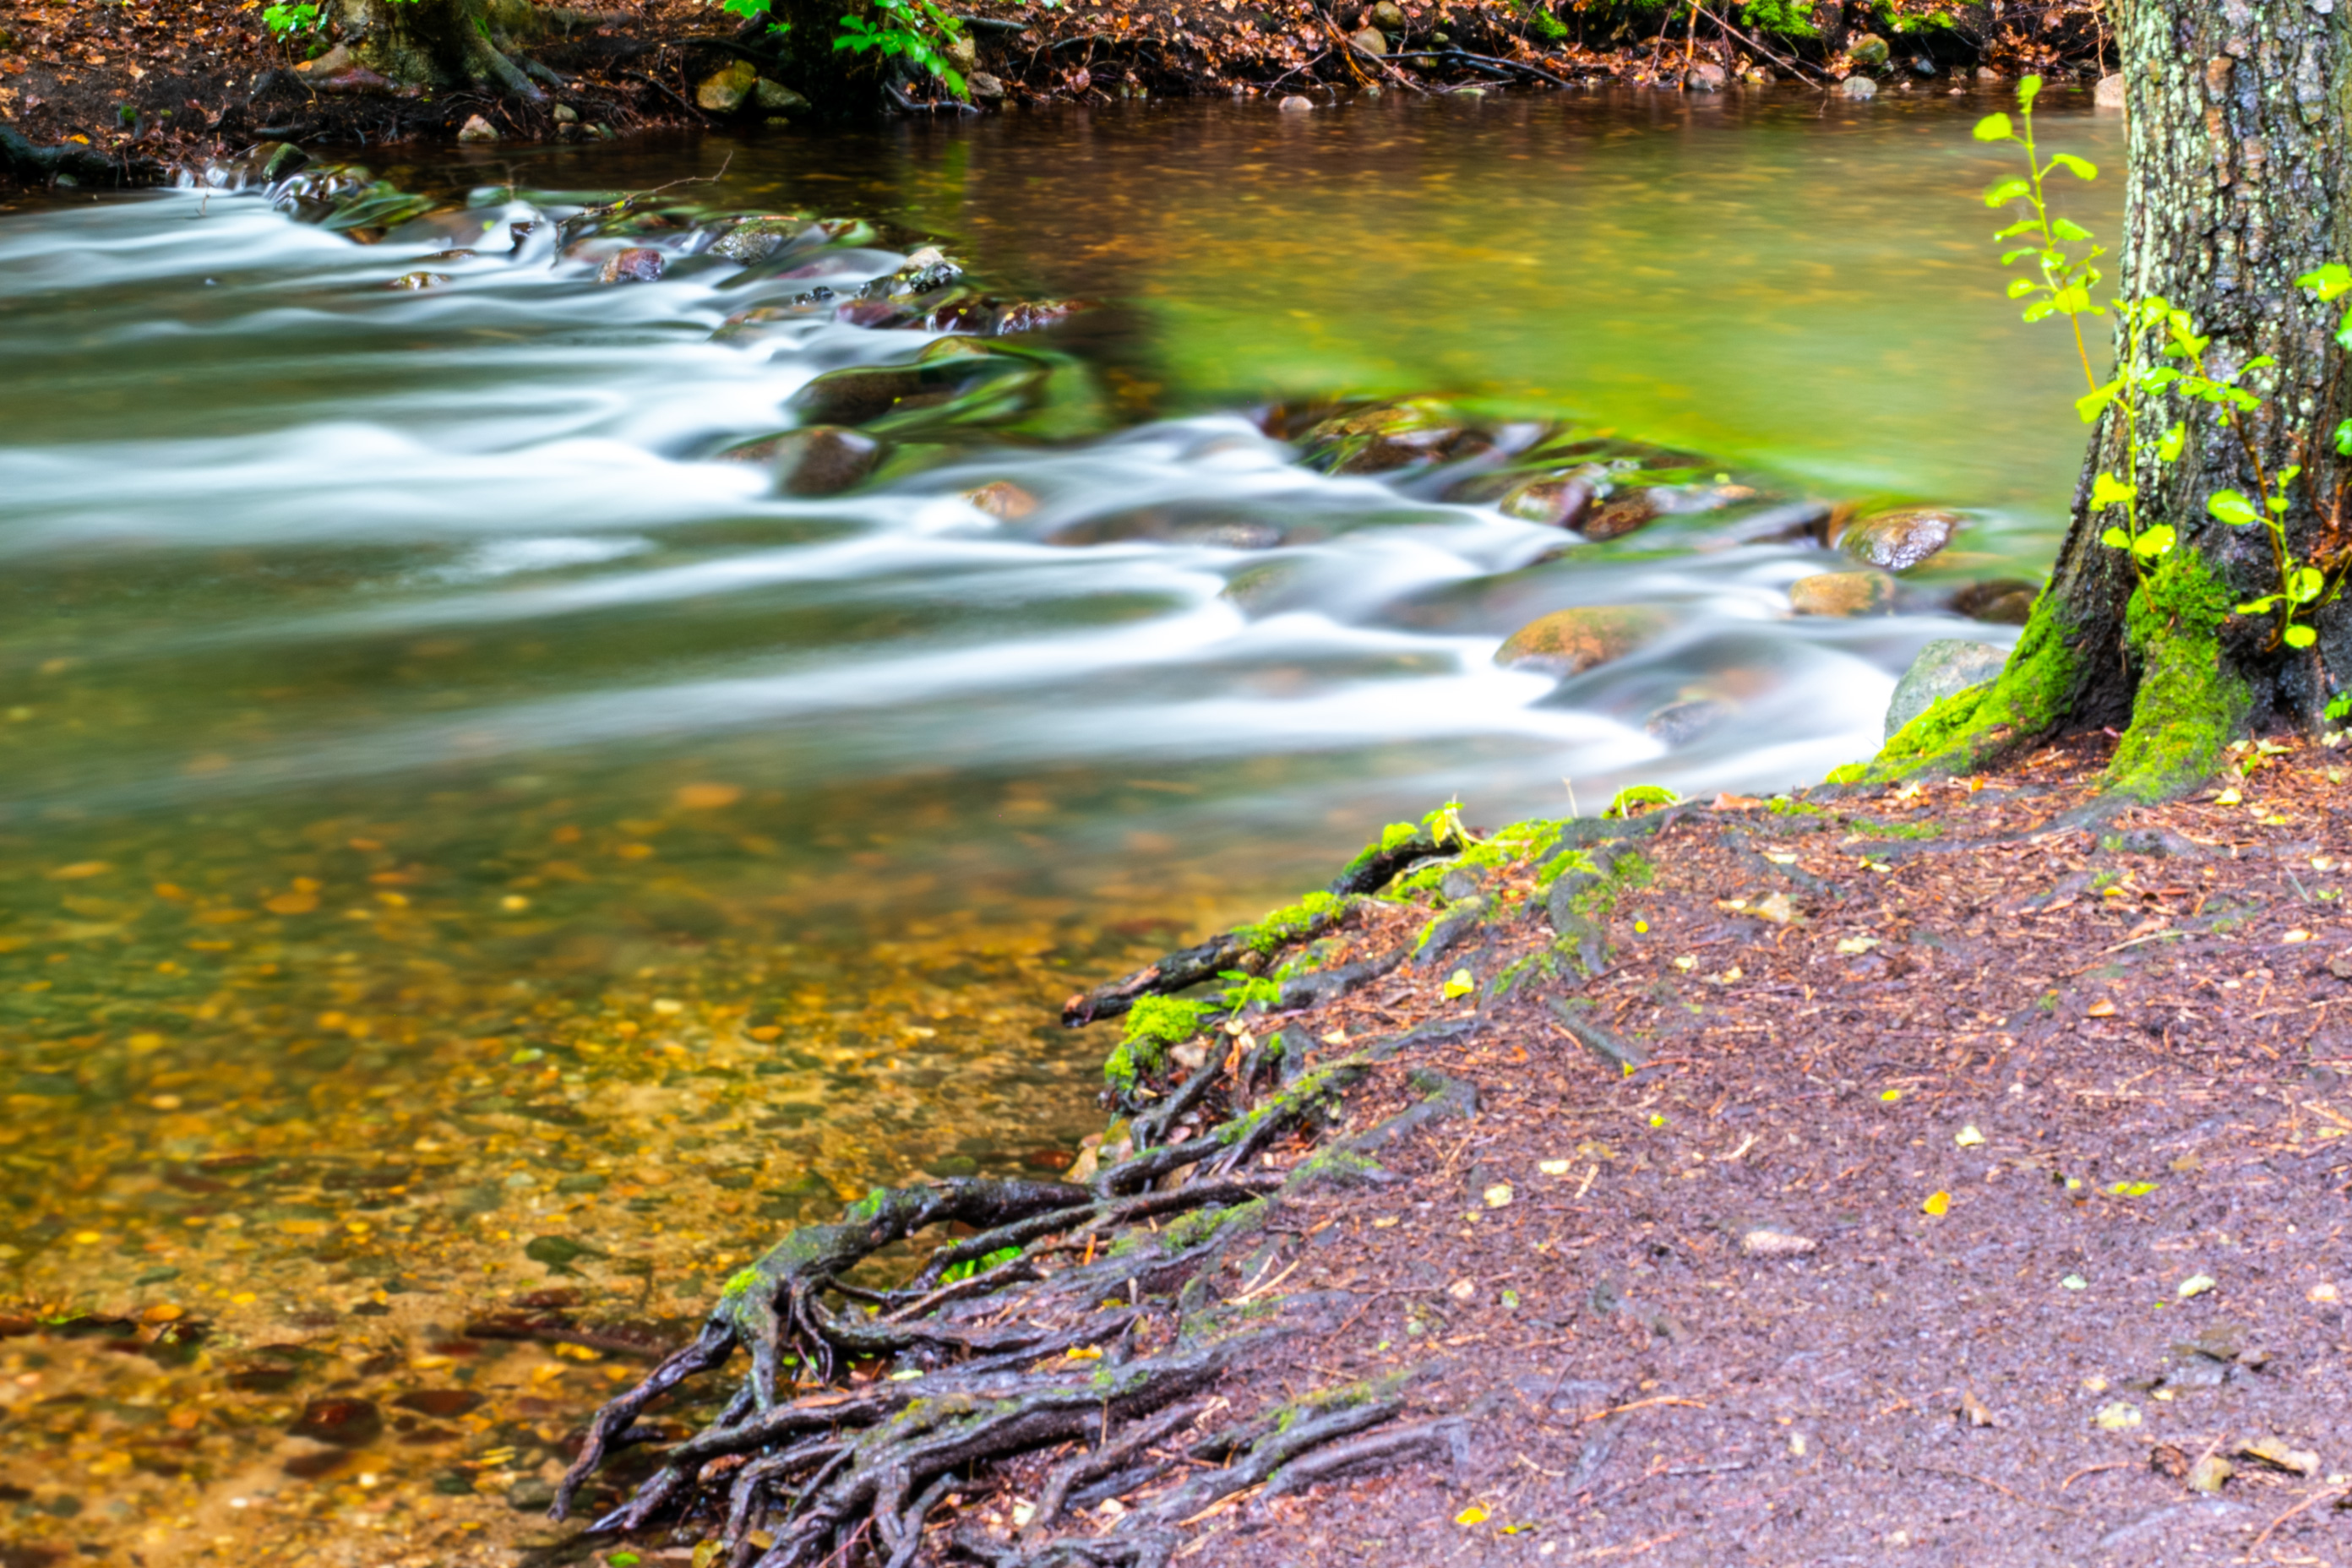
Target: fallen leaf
{"x":1974,"y":1411}
{"x":1777,"y":909}
{"x":2196,"y":1285}
{"x":2283,"y":1455}
{"x":2102,"y":1009}
{"x":2132,"y":1189}
{"x":1854,"y":945}
{"x":2074,"y":1282}
{"x":1462,"y":1290}
{"x":2210,"y":1473}
{"x":2228,"y":797}
{"x":1779,"y":857}
{"x":2117,"y":1417}
{"x":1937,"y":1203}
{"x":2323,"y":1291}
{"x":1474,"y":1514}
{"x":1498,"y":1196}
{"x":1554,"y":1167}
{"x":1459,"y":984}
{"x":1969,"y":1137}
{"x":1891,"y":1096}
{"x":2296,"y":936}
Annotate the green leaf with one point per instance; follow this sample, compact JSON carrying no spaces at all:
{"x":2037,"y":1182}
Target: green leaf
{"x":2332,"y":281}
{"x":2009,"y":258}
{"x":2155,"y":541}
{"x":2108,"y":491}
{"x":2169,"y":450}
{"x":2065,"y":228}
{"x":2115,"y":539}
{"x":2081,"y":168}
{"x":2005,"y":192}
{"x":2344,"y":438}
{"x":2089,"y":406}
{"x":2018,"y":287}
{"x":2261,"y":606}
{"x":2022,"y":226}
{"x":1995,"y":128}
{"x":2028,"y":90}
{"x":2160,"y":378}
{"x":2298,"y":636}
{"x":2305,"y":584}
{"x":2040,"y":310}
{"x":2260,"y":362}
{"x":2074,"y":300}
{"x":2233,"y":508}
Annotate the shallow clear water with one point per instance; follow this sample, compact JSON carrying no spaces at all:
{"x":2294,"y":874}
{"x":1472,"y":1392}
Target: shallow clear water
{"x":443,"y":802}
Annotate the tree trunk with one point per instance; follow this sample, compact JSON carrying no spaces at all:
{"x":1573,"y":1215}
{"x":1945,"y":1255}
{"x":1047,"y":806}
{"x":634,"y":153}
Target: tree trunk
{"x":440,"y":43}
{"x":2239,"y":183}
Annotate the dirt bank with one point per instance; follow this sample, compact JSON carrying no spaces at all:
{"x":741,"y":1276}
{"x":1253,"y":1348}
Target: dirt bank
{"x":125,"y":94}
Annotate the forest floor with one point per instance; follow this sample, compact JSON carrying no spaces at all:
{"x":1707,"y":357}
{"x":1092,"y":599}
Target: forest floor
{"x":153,"y":88}
{"x":1981,"y":1180}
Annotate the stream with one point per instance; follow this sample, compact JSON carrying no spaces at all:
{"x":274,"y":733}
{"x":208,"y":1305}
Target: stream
{"x":465,"y":853}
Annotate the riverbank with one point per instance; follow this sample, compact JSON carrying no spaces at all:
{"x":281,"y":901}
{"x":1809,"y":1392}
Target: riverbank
{"x":1818,"y":1176}
{"x":106,"y":95}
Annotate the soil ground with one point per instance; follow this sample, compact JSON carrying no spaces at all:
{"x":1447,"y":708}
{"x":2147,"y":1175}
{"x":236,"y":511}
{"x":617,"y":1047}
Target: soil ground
{"x":1981,"y":1180}
{"x":157,"y":88}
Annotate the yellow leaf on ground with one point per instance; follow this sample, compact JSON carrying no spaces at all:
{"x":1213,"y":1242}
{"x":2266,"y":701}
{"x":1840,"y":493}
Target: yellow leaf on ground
{"x":2102,"y":1009}
{"x":1937,"y":1203}
{"x":1499,"y":1196}
{"x":1968,"y":1137}
{"x":1459,"y":984}
{"x":1474,"y":1514}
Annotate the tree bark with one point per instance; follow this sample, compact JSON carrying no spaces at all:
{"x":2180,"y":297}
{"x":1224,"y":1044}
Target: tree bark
{"x":440,"y":43}
{"x":2239,"y":183}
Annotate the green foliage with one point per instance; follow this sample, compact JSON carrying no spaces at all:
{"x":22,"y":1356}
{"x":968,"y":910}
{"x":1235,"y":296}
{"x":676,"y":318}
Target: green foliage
{"x":2162,"y":358}
{"x":284,"y":16}
{"x":971,"y":1266}
{"x":1790,"y":18}
{"x":1292,"y":923}
{"x":1632,"y":797}
{"x":1153,"y":1024}
{"x":914,"y":30}
{"x":1240,"y":989}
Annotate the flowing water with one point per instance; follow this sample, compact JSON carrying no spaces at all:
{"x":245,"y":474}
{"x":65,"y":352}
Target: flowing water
{"x":462,"y":851}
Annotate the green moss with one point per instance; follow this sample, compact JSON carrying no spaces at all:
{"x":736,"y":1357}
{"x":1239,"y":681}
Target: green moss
{"x":1189,"y":1231}
{"x":1869,"y":830}
{"x":1310,"y":916}
{"x":1153,"y":1024}
{"x":744,"y":1282}
{"x":1599,"y":901}
{"x":1969,"y":729}
{"x":2190,"y":703}
{"x":1781,"y":805}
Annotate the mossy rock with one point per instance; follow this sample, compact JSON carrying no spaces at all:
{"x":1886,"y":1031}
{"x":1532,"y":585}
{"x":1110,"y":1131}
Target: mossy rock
{"x":1569,"y":642}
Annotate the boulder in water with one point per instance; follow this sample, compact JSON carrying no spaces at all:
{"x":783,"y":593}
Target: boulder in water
{"x":1945,"y":666}
{"x":1389,"y":436}
{"x":726,"y":89}
{"x":2109,"y":93}
{"x":1292,"y":103}
{"x":1869,"y":51}
{"x":477,"y":129}
{"x":823,"y":459}
{"x":1560,"y":503}
{"x":638,"y":264}
{"x":1706,"y":76}
{"x":1898,"y":541}
{"x":2003,"y":601}
{"x":1843,"y":594}
{"x":1003,"y":499}
{"x":984,"y":87}
{"x":1370,"y":41}
{"x":1858,"y":87}
{"x":775,"y":98}
{"x":1620,"y":516}
{"x":1569,"y":642}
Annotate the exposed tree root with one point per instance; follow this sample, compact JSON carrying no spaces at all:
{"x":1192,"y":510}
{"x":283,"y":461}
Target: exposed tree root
{"x":1055,"y":1324}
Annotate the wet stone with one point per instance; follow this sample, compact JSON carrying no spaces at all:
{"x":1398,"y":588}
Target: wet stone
{"x":1001,"y":500}
{"x":775,"y":98}
{"x":346,"y":1422}
{"x":1898,"y":541}
{"x":638,"y":264}
{"x":1557,"y":503}
{"x":1945,"y":666}
{"x":1843,"y":594}
{"x":724,"y":90}
{"x":440,"y":1403}
{"x":2003,"y":601}
{"x":1858,"y":87}
{"x":1569,"y":642}
{"x":1620,"y":517}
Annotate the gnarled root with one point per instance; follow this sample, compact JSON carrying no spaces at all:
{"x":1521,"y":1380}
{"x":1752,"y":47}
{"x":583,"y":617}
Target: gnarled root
{"x":1052,"y":1324}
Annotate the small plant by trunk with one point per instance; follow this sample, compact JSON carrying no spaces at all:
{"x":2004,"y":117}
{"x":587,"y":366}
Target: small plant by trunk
{"x":2199,"y":592}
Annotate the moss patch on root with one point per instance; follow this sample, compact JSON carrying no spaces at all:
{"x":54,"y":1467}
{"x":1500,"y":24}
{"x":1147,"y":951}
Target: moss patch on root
{"x":2189,"y":703}
{"x":1969,"y":730}
{"x":1154,"y":1024}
